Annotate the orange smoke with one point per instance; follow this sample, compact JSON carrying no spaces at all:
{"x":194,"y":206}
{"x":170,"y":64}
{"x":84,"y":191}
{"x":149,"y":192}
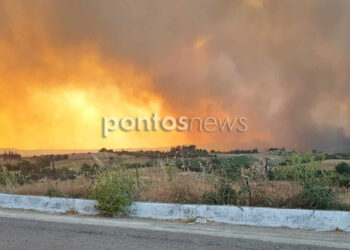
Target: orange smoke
{"x":55,"y":97}
{"x":66,"y":64}
{"x":59,"y":103}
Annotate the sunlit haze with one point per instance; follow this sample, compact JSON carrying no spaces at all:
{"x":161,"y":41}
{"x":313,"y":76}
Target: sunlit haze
{"x":284,"y":65}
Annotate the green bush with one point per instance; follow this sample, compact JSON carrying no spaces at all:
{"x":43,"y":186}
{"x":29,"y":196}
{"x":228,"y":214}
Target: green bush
{"x":65,"y":174}
{"x":178,"y":163}
{"x":8,"y":178}
{"x":231,"y":167}
{"x":43,"y":162}
{"x":26,"y":167}
{"x":171,"y":173}
{"x":194,"y":165}
{"x":300,"y":158}
{"x":88,"y":171}
{"x":318,"y":185}
{"x":223,"y":195}
{"x":343,"y":180}
{"x":303,"y":174}
{"x":316,"y":197}
{"x":343,"y":168}
{"x":340,"y":180}
{"x":60,"y":173}
{"x":302,"y":169}
{"x":115,"y":191}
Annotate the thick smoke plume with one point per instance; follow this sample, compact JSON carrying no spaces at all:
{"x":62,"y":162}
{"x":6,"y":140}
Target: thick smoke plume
{"x":283,"y":64}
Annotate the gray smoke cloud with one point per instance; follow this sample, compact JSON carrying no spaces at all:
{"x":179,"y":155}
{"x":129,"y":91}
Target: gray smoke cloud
{"x":284,"y":64}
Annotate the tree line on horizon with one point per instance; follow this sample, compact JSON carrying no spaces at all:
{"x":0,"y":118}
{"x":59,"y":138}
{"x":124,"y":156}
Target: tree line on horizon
{"x":10,"y":155}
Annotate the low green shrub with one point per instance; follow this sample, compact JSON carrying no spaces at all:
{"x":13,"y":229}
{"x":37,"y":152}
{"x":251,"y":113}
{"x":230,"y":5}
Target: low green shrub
{"x":43,"y":162}
{"x":7,"y":178}
{"x":224,"y":194}
{"x":114,"y":190}
{"x":340,"y":180}
{"x":319,"y":187}
{"x":171,"y":173}
{"x":300,"y":158}
{"x":88,"y":171}
{"x":316,"y":197}
{"x":343,"y":168}
{"x":302,"y":169}
{"x":60,"y":173}
{"x":303,"y":174}
{"x":26,"y":167}
{"x":65,"y":174}
{"x":194,"y":165}
{"x":231,"y":167}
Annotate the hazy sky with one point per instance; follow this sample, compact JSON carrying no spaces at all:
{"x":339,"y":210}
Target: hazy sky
{"x":282,"y":64}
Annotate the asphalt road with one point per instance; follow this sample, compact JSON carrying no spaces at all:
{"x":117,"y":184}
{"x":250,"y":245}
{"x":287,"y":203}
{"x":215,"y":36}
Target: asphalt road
{"x":29,"y":230}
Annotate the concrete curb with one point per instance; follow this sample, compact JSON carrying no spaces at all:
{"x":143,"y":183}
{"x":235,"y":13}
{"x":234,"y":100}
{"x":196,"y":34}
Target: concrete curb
{"x":252,"y":216}
{"x":47,"y":204}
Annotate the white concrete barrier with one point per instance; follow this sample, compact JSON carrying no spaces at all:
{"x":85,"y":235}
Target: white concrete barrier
{"x":268,"y":217}
{"x":253,"y":216}
{"x":47,"y":204}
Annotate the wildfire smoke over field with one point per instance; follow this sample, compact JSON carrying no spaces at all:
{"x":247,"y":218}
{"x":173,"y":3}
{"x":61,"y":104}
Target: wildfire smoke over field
{"x":282,"y":64}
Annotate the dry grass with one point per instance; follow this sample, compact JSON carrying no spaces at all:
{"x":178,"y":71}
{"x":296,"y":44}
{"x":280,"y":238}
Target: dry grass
{"x":156,"y":185}
{"x":189,"y":187}
{"x":345,"y":196}
{"x":71,"y":188}
{"x":273,"y":191}
{"x":171,"y":185}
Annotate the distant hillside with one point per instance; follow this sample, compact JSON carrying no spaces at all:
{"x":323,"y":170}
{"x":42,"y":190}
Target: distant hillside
{"x":32,"y":152}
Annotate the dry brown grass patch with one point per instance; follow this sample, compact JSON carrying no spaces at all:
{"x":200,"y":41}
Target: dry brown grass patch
{"x":273,"y":191}
{"x":185,"y":187}
{"x":345,"y":197}
{"x":70,"y":188}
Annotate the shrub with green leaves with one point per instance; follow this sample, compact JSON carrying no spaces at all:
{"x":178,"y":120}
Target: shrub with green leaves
{"x":194,"y":165}
{"x":302,"y":169}
{"x":343,"y":168}
{"x":231,"y":167}
{"x":316,"y":197}
{"x":300,"y":158}
{"x":319,"y":189}
{"x":88,"y":171}
{"x":342,"y":180}
{"x":223,"y":195}
{"x":171,"y":173}
{"x":303,"y":174}
{"x":8,"y":178}
{"x":114,"y":190}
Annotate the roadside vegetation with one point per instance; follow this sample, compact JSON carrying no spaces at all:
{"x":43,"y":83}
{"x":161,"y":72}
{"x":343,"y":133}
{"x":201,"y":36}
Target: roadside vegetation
{"x":277,"y":178}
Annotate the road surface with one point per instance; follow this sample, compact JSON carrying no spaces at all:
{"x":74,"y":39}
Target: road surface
{"x":30,"y":230}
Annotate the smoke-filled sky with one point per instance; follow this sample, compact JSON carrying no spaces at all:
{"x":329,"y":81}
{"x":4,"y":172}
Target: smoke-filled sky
{"x":283,"y":64}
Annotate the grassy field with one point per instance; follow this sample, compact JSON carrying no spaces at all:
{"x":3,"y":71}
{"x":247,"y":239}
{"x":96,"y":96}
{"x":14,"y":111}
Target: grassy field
{"x":75,"y":161}
{"x":218,"y":178}
{"x":330,"y":164}
{"x":156,"y":184}
{"x":274,"y":158}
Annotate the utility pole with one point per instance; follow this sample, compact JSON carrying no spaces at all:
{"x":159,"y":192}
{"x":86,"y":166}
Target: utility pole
{"x":53,"y":167}
{"x":137,"y":176}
